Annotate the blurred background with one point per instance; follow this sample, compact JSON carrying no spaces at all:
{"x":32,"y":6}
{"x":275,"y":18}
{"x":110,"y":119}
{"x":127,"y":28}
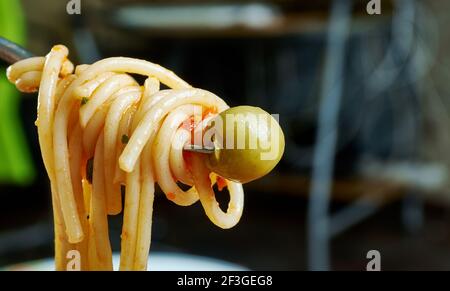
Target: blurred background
{"x":364,"y":101}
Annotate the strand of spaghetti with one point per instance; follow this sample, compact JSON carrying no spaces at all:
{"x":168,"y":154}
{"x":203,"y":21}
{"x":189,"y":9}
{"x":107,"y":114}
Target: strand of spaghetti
{"x":124,"y":133}
{"x":202,"y":182}
{"x":147,"y":104}
{"x":14,"y":72}
{"x":92,"y":131}
{"x":177,"y":163}
{"x":151,"y":88}
{"x":87,"y":191}
{"x":130,"y":219}
{"x":62,"y":168}
{"x":133,"y":66}
{"x":98,"y":214}
{"x":116,"y":110}
{"x":73,"y":119}
{"x":163,"y":172}
{"x":46,"y":102}
{"x":88,"y":88}
{"x":91,"y":255}
{"x":144,"y":230}
{"x":151,"y":119}
{"x":62,"y":245}
{"x":102,"y":93}
{"x":92,"y":260}
{"x":46,"y":108}
{"x":76,"y":152}
{"x":29,"y":81}
{"x":111,"y":99}
{"x":62,"y":86}
{"x":80,"y":68}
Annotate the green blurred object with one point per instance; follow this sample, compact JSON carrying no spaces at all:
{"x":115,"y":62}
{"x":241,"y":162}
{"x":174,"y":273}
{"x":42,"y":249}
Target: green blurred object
{"x":16,"y":165}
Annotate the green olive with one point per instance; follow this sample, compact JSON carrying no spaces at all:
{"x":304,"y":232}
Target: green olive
{"x":248,"y":144}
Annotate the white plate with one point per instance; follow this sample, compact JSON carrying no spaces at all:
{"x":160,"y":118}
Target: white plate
{"x":159,"y":261}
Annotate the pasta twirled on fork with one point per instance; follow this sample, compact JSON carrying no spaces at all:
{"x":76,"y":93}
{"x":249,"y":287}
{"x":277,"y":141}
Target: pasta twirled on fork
{"x":100,"y":130}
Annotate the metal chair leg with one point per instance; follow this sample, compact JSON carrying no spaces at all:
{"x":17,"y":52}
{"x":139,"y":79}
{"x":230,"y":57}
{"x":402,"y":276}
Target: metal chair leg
{"x":323,"y":160}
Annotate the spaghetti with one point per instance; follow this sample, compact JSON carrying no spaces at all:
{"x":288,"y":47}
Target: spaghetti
{"x":101,"y":131}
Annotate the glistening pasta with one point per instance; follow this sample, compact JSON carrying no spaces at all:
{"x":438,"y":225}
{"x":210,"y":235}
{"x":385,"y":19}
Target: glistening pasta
{"x":101,"y":131}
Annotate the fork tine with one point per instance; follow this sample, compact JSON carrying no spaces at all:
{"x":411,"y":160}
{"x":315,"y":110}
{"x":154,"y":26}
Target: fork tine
{"x":198,"y":149}
{"x":11,"y":52}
